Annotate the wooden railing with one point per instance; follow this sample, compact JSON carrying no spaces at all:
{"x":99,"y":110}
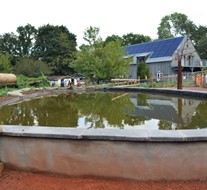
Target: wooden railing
{"x":125,"y":82}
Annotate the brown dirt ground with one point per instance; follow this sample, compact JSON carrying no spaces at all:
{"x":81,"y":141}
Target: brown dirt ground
{"x":20,"y":180}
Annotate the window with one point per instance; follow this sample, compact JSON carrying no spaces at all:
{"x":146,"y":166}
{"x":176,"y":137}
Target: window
{"x":183,"y":60}
{"x":191,"y":61}
{"x":159,"y":76}
{"x":139,"y":59}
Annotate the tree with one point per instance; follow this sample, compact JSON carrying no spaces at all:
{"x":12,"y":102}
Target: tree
{"x":99,"y":61}
{"x":91,"y":35}
{"x":179,"y":24}
{"x":143,"y":70}
{"x":113,"y":62}
{"x":202,"y":47}
{"x":9,"y":44}
{"x":130,"y":39}
{"x":56,"y":46}
{"x":31,"y":68}
{"x":20,"y":44}
{"x":25,"y":39}
{"x":5,"y":65}
{"x":113,"y":38}
{"x":175,"y":24}
{"x":200,"y":39}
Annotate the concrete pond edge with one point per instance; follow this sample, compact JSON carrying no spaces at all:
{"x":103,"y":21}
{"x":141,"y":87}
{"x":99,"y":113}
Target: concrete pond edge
{"x":106,"y":134}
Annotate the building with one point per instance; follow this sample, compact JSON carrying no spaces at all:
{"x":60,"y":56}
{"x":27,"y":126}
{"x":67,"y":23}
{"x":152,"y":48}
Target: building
{"x":64,"y":81}
{"x":162,"y":56}
{"x":179,"y":111}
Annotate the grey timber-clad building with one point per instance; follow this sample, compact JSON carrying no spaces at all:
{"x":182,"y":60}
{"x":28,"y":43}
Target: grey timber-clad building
{"x":162,"y":56}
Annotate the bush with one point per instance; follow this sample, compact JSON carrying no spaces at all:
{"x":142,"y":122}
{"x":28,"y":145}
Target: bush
{"x":5,"y":65}
{"x":23,"y":81}
{"x":143,"y":70}
{"x":31,"y":68}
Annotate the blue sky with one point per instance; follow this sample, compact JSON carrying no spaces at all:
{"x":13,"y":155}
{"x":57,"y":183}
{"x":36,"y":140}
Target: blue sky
{"x":111,"y":16}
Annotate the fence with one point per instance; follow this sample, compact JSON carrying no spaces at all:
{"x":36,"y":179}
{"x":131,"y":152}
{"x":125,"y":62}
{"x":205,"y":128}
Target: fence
{"x":196,"y":79}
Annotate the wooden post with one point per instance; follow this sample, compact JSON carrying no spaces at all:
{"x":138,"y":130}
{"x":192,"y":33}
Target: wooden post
{"x":1,"y":168}
{"x":179,"y":80}
{"x":180,"y":109}
{"x":1,"y":164}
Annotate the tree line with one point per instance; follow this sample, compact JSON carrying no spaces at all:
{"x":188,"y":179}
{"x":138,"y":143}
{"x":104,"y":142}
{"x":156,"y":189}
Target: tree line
{"x":52,"y":50}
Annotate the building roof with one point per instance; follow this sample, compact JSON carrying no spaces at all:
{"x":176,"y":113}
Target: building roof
{"x":158,"y":48}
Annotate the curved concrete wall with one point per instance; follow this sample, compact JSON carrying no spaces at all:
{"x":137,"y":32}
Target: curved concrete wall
{"x":113,"y":153}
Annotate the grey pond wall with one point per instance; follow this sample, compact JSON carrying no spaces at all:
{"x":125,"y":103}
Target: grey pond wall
{"x":112,"y":153}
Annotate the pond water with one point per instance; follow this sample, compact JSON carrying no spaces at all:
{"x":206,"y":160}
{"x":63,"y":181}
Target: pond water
{"x":108,"y":110}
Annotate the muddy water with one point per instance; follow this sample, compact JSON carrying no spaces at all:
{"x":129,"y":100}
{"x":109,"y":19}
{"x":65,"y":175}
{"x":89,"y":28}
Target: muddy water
{"x":108,"y":110}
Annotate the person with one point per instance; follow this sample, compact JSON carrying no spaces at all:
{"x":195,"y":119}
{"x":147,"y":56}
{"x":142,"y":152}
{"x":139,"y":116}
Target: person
{"x":70,"y":85}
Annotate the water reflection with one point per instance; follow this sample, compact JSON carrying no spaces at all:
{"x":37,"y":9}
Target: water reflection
{"x":102,"y":110}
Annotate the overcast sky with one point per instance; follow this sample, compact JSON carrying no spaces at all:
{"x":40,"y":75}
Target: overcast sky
{"x":111,"y":16}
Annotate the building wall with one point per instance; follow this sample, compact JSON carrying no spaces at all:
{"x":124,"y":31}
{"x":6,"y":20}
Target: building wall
{"x":163,"y":67}
{"x":187,"y":49}
{"x":133,"y":71}
{"x":190,"y":58}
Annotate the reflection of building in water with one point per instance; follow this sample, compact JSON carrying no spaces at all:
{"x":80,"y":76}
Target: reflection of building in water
{"x":165,"y":108}
{"x":188,"y":108}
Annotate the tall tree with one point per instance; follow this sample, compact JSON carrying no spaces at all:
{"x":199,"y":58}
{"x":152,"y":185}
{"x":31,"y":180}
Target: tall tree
{"x":56,"y":46}
{"x":200,"y":39}
{"x":26,"y":37}
{"x":179,"y":24}
{"x":175,"y":24}
{"x":91,"y":35}
{"x":19,"y":44}
{"x":9,"y":44}
{"x":99,"y":61}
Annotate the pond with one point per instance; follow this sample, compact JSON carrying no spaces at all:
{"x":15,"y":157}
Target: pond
{"x":108,"y":110}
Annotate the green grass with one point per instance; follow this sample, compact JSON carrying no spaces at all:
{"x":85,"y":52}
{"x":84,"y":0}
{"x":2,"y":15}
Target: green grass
{"x":24,"y":82}
{"x":4,"y":90}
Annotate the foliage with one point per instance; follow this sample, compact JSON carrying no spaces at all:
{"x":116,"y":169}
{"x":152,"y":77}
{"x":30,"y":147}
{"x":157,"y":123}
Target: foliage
{"x":201,"y":41}
{"x":56,"y":46}
{"x":202,"y":47}
{"x":9,"y":44}
{"x":99,"y":62}
{"x":5,"y":66}
{"x":26,"y":36}
{"x":20,"y":44}
{"x":113,"y":38}
{"x":130,"y":39}
{"x":179,"y":24}
{"x":23,"y":81}
{"x":175,"y":24}
{"x":91,"y":35}
{"x":31,"y":68}
{"x":143,"y":70}
{"x":4,"y":90}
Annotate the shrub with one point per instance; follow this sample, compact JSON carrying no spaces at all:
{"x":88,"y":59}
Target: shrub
{"x":31,"y":68}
